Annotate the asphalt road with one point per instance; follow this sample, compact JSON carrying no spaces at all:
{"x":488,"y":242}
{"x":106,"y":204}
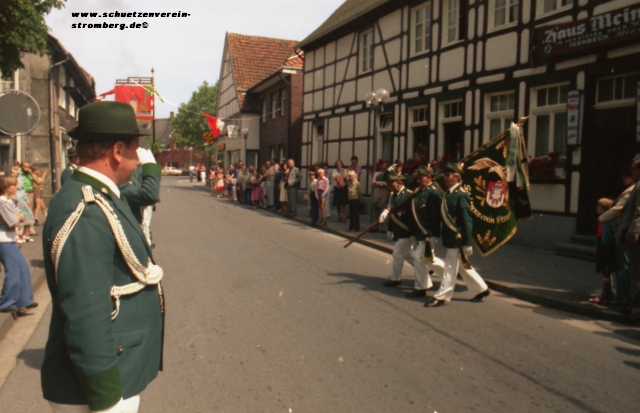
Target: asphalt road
{"x":267,"y":315}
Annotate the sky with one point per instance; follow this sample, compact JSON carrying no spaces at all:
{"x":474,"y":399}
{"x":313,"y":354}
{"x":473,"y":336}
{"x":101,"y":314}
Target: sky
{"x":184,"y":51}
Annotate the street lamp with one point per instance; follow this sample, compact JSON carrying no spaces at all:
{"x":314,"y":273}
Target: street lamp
{"x":245,"y":135}
{"x":375,"y":101}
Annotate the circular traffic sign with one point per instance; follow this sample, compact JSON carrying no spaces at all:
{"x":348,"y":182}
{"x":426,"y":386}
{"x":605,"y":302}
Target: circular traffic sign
{"x":19,"y":113}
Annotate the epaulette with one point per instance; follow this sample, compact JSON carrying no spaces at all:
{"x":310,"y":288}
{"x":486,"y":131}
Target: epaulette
{"x":87,"y":194}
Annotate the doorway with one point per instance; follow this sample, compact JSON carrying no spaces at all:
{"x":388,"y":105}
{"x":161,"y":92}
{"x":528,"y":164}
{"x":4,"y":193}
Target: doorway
{"x":453,"y":143}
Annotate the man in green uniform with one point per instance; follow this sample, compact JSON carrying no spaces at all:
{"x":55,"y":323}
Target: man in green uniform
{"x":456,"y":238}
{"x":105,"y":337}
{"x":72,"y":166}
{"x":400,"y":224}
{"x":425,"y":208}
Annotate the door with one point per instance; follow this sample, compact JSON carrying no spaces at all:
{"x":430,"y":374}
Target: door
{"x":453,"y":144}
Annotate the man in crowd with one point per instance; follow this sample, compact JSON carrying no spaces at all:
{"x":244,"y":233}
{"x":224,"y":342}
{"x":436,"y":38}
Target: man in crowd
{"x":427,"y":220}
{"x":71,"y":166}
{"x":240,"y":181}
{"x":105,"y":337}
{"x":400,"y":225}
{"x":269,"y":183}
{"x":293,"y":184}
{"x":456,"y":238}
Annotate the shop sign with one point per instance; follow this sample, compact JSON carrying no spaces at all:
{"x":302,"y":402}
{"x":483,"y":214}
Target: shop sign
{"x":232,"y":131}
{"x":574,"y":117}
{"x":638,"y":113}
{"x":220,"y":147}
{"x":613,"y":26}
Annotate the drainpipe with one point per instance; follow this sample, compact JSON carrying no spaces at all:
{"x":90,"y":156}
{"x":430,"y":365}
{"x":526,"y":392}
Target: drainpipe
{"x":52,"y":127}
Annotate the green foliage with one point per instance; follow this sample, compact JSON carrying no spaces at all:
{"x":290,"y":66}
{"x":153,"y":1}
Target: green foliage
{"x":23,"y":29}
{"x":189,"y":124}
{"x":155,"y":146}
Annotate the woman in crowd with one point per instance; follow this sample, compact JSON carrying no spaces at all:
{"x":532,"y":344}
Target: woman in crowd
{"x":313,"y":201}
{"x":605,"y":253}
{"x":17,"y":294}
{"x":379,"y":193}
{"x":340,"y":200}
{"x":354,"y":193}
{"x":38,"y":202}
{"x":256,"y":188}
{"x":322,"y":189}
{"x":246,"y":196}
{"x":283,"y":198}
{"x":325,"y":166}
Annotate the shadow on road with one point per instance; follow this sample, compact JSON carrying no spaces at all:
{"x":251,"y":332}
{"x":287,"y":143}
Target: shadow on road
{"x":37,"y":263}
{"x":32,"y":358}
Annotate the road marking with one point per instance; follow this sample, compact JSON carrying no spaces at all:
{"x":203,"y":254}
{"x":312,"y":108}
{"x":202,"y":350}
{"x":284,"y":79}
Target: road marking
{"x":12,"y":344}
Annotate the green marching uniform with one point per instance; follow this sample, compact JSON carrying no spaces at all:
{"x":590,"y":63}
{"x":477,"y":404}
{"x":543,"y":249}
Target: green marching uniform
{"x":401,"y":221}
{"x":143,"y":189}
{"x":458,"y":205}
{"x":426,"y":212}
{"x":66,"y":173}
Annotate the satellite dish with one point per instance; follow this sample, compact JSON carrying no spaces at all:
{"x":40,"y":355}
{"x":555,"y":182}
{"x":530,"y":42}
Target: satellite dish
{"x":19,"y":113}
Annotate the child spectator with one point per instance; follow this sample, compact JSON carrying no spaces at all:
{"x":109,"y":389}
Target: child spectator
{"x":313,"y":201}
{"x":17,"y":294}
{"x":322,"y":189}
{"x":605,"y":253}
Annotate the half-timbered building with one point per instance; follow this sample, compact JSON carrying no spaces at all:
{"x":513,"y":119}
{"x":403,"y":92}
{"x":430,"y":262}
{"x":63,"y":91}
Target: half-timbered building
{"x":457,"y":72}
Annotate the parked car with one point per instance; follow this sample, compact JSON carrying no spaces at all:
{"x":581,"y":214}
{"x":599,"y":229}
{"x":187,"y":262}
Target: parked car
{"x":171,"y":171}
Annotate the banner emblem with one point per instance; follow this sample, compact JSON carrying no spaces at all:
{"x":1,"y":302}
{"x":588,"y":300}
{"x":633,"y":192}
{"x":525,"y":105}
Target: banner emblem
{"x":496,"y":192}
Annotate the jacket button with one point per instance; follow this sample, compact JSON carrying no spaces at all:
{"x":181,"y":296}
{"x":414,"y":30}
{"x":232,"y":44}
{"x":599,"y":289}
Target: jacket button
{"x":120,"y":350}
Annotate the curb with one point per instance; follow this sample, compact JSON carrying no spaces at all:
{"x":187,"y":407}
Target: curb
{"x":568,"y":307}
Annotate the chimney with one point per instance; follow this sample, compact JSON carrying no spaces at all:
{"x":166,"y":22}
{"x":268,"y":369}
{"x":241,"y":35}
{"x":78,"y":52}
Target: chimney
{"x":171,"y":115}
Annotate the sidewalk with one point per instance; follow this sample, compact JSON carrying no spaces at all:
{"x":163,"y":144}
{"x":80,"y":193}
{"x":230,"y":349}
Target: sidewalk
{"x":33,"y":253}
{"x":531,"y":274}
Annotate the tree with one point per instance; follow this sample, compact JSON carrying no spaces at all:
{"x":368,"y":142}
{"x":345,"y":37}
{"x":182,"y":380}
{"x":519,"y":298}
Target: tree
{"x":23,"y":30}
{"x":155,"y":146}
{"x":189,"y":124}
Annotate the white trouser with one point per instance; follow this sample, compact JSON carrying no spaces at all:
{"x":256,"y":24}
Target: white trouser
{"x":146,"y":222}
{"x":452,"y":266}
{"x":234,"y":181}
{"x":422,"y":268}
{"x":269,"y":187}
{"x":124,"y":406}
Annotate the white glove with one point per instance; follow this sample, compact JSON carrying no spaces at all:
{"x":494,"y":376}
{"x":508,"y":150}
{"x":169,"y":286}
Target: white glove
{"x":389,"y":236}
{"x":433,"y":241}
{"x":468,"y":251}
{"x":392,"y":168}
{"x":145,"y":156}
{"x":118,"y":408}
{"x":383,"y":216}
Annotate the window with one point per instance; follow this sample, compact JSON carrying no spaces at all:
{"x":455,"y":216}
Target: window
{"x":420,"y":114}
{"x":282,"y":152}
{"x":421,"y":17}
{"x":283,"y":102}
{"x":452,"y":110}
{"x":273,"y":151}
{"x":72,"y":104}
{"x":366,"y":51}
{"x":386,"y":122}
{"x":387,"y":147}
{"x":618,"y":88}
{"x":504,"y":12}
{"x":548,"y":126}
{"x":62,"y":81}
{"x":274,"y":105}
{"x":499,"y":113}
{"x":252,"y":159}
{"x":548,"y":6}
{"x":454,"y":24}
{"x":420,"y":133}
{"x":5,"y":85}
{"x":319,"y":130}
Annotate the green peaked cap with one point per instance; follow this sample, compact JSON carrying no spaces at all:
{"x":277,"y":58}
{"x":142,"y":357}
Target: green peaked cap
{"x":105,"y":120}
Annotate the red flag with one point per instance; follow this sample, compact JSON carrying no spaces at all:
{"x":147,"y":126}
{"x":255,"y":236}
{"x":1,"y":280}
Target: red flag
{"x":144,"y":100}
{"x":215,"y":124}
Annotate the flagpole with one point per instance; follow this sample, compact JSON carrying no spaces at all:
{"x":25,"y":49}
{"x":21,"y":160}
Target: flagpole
{"x":520,"y":122}
{"x":153,"y":122}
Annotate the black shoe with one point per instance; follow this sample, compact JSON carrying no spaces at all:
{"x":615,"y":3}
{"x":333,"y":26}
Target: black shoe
{"x":417,"y":293}
{"x":434,"y":302}
{"x":30,"y":306}
{"x":391,"y":283}
{"x":478,"y":298}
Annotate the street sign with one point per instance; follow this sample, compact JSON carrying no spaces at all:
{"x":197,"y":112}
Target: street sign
{"x":19,"y":113}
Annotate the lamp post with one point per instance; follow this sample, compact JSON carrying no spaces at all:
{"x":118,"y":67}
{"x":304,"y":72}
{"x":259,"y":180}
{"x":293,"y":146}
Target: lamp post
{"x":375,"y":101}
{"x":245,"y":135}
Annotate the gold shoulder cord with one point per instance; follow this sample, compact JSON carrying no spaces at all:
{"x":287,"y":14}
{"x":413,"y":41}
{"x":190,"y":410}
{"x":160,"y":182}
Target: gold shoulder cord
{"x":149,"y":275}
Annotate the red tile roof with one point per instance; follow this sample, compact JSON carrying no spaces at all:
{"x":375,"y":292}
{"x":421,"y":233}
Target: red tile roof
{"x":254,"y":58}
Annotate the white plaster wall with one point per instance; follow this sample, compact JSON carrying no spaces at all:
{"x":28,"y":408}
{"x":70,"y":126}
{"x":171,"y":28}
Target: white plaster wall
{"x":547,"y":197}
{"x":341,"y":70}
{"x":403,"y":118}
{"x":405,"y":47}
{"x":379,"y":61}
{"x":381,"y":80}
{"x":467,"y":141}
{"x":352,"y":68}
{"x":390,"y":24}
{"x":418,"y":73}
{"x":452,"y":64}
{"x":472,"y":24}
{"x":524,"y":46}
{"x":468,"y":104}
{"x":521,"y":98}
{"x":526,"y":11}
{"x":394,"y":51}
{"x":318,"y":79}
{"x":435,"y":36}
{"x":348,"y":93}
{"x":330,"y":53}
{"x":346,"y":127}
{"x":432,"y":118}
{"x":434,"y":69}
{"x":362,"y":125}
{"x":479,"y":58}
{"x":501,"y":51}
{"x":360,"y":150}
{"x":405,"y":81}
{"x":330,"y":75}
{"x":344,"y":46}
{"x":305,"y":160}
{"x":480,"y":20}
{"x":364,"y":85}
{"x":476,"y":138}
{"x":308,"y":61}
{"x":329,"y":97}
{"x":332,"y":152}
{"x":469,"y":59}
{"x":308,"y":82}
{"x":395,"y":75}
{"x":319,"y":57}
{"x":476,"y":115}
{"x":317,"y":100}
{"x":334,"y":128}
{"x":580,"y":80}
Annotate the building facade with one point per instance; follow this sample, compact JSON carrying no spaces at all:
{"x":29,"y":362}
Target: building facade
{"x":457,"y":72}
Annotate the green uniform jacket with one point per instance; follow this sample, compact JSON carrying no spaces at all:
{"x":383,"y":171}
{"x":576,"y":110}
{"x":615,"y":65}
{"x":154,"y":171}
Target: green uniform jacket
{"x":143,"y":189}
{"x":426,"y":212}
{"x":459,"y":205}
{"x":66,"y":173}
{"x":403,"y":215}
{"x":90,"y":359}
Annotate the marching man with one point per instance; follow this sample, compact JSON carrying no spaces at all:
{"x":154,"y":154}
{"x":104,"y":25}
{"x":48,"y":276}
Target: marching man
{"x":425,"y":208}
{"x":456,"y":237}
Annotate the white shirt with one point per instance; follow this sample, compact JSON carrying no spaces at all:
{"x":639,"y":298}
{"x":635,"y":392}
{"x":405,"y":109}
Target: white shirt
{"x":102,"y":178}
{"x":453,"y":187}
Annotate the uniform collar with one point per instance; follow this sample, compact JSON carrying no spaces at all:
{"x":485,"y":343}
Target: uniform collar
{"x":453,"y":188}
{"x":100,"y":177}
